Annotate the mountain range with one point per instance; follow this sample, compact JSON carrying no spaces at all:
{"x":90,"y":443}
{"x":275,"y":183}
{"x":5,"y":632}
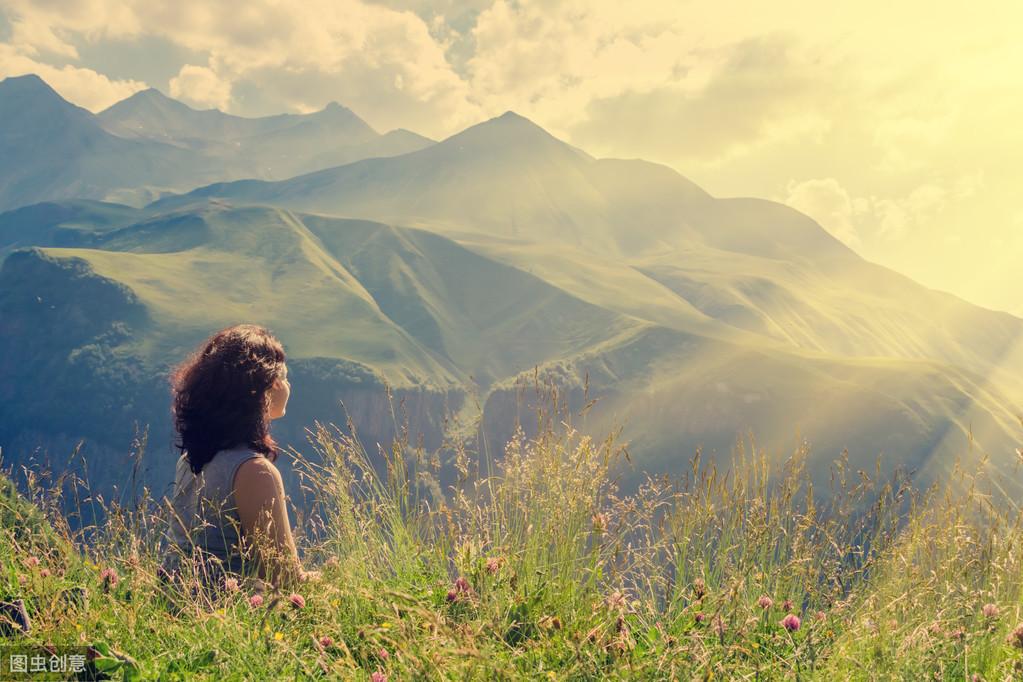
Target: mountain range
{"x":457,"y":271}
{"x":149,"y":144}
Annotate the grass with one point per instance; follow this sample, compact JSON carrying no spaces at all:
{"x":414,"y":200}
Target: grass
{"x":536,"y":566}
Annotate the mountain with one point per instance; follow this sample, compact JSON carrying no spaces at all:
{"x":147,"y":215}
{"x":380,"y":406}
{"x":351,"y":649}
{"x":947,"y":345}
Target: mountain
{"x":51,"y":149}
{"x":508,"y":188}
{"x":150,"y":145}
{"x":455,"y":272}
{"x":270,"y":147}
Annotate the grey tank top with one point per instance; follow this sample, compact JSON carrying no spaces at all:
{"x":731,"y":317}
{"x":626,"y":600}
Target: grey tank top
{"x":205,"y":514}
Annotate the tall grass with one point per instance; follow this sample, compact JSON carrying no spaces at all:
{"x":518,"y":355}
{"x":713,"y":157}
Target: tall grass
{"x":535,"y":564}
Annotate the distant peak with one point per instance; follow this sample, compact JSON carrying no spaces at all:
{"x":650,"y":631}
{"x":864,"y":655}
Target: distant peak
{"x":150,"y":93}
{"x":336,"y":110}
{"x":30,"y":82}
{"x":510,"y":118}
{"x":32,"y":92}
{"x":145,"y":99}
{"x":26,"y":78}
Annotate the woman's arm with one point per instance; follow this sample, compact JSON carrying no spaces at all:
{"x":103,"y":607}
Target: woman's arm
{"x":259,"y":494}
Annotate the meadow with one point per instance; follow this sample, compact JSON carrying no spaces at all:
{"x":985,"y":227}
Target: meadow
{"x":534,"y":565}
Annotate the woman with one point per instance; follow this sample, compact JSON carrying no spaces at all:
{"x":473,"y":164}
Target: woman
{"x":228,"y":512}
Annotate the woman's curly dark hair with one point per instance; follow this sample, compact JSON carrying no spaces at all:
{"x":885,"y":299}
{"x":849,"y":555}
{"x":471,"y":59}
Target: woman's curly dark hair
{"x":222,"y":394}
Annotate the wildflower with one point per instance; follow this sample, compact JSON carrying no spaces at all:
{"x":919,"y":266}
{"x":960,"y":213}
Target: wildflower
{"x":957,"y":634}
{"x":383,"y":654}
{"x":278,"y":636}
{"x":699,"y":617}
{"x":45,"y":572}
{"x":297,"y":600}
{"x":550,"y":623}
{"x":787,"y":605}
{"x":22,"y":579}
{"x":765,"y":602}
{"x":599,"y":522}
{"x":699,"y":588}
{"x":460,"y":590}
{"x":990,"y":610}
{"x":1015,"y":638}
{"x":935,"y":629}
{"x":109,"y":577}
{"x":616,"y":600}
{"x":378,"y":676}
{"x":326,"y":642}
{"x":493,"y":564}
{"x":32,"y":561}
{"x":231,"y":584}
{"x":256,"y":600}
{"x":790,"y":622}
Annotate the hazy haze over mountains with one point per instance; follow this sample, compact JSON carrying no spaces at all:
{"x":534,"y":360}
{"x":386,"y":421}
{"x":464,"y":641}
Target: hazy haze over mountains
{"x":453,"y":269}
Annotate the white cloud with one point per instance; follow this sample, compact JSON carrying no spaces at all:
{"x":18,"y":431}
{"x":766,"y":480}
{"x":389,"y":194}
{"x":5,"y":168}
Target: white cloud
{"x":383,"y":63}
{"x":51,"y":26}
{"x":870,"y":222}
{"x":82,"y":86}
{"x":386,"y":64}
{"x":201,"y":86}
{"x":827,"y":202}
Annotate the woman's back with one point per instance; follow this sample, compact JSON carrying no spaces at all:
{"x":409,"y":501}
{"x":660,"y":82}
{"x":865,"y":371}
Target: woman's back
{"x":205,"y":512}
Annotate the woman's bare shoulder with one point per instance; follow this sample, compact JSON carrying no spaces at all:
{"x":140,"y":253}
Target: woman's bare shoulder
{"x":257,"y":474}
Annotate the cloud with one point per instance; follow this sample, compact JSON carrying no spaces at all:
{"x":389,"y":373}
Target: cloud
{"x":257,"y":52}
{"x":38,"y":28}
{"x":201,"y":86}
{"x":763,"y":90}
{"x":82,"y":86}
{"x":307,"y":54}
{"x":867,"y":223}
{"x":829,"y":204}
{"x":551,"y":59}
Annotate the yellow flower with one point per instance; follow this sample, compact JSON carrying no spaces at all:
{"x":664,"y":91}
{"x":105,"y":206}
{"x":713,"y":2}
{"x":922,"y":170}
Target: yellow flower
{"x":755,"y":645}
{"x":335,"y":603}
{"x":278,"y":636}
{"x":385,"y":625}
{"x":266,"y":628}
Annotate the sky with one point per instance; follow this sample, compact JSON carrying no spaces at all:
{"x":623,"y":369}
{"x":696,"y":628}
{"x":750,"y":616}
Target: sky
{"x":894,"y":125}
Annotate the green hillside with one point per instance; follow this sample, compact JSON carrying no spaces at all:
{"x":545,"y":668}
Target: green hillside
{"x":360,"y":303}
{"x":453,"y":272}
